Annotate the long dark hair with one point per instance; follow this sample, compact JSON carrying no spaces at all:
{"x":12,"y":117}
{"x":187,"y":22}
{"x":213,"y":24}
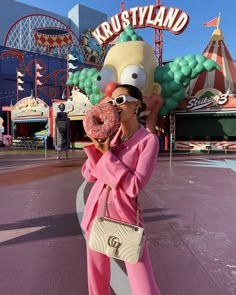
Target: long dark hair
{"x":134,"y":92}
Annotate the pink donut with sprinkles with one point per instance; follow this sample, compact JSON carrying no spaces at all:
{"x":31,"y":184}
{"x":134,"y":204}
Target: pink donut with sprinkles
{"x":101,"y":121}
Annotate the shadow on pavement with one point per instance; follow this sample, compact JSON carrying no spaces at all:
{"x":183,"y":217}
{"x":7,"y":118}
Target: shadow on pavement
{"x":56,"y":226}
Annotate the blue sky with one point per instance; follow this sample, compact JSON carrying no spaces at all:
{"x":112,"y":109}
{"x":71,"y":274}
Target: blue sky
{"x":192,"y":41}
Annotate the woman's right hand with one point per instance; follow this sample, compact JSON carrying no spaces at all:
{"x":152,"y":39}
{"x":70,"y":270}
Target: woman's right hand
{"x":102,"y":146}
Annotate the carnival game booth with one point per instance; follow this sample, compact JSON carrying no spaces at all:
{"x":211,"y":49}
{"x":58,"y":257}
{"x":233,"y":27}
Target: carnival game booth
{"x":30,"y":123}
{"x":206,"y":119}
{"x":206,"y":122}
{"x":75,"y":107}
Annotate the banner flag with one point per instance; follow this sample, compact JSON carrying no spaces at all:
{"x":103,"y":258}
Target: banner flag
{"x":20,"y":88}
{"x":19,"y":81}
{"x":71,"y":57}
{"x":19,"y":74}
{"x":71,"y":66}
{"x":38,"y":82}
{"x":212,"y":23}
{"x":38,"y":67}
{"x":37,"y":74}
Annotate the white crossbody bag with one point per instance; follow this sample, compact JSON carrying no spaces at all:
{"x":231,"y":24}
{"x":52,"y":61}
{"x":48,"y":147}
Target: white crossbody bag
{"x":115,"y":238}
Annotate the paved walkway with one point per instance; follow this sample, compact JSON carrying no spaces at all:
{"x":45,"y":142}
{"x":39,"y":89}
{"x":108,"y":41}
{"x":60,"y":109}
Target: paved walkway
{"x":189,"y":210}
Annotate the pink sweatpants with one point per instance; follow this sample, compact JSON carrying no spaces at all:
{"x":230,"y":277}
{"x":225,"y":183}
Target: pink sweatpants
{"x":141,"y":277}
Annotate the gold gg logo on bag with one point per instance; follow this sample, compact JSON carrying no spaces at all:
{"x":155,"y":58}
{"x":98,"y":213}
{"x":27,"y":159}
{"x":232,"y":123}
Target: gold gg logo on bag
{"x":114,"y":242}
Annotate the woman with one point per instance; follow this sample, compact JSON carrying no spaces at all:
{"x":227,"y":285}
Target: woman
{"x":125,"y":163}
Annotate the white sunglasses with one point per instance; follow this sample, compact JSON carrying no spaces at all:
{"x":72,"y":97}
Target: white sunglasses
{"x":121,"y":99}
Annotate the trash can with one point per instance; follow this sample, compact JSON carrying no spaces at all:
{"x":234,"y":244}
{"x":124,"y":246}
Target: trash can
{"x":7,"y":140}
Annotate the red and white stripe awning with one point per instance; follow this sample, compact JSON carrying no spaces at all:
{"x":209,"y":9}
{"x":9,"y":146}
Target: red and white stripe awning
{"x":223,"y":80}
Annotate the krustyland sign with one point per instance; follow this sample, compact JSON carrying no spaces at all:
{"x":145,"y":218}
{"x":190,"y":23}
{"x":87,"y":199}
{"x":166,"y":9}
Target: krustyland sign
{"x":154,"y":16}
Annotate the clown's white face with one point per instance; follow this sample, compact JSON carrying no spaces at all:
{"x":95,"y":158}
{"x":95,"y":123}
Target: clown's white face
{"x":132,"y":62}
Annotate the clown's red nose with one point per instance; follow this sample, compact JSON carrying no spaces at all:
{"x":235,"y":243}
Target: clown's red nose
{"x":110,"y":88}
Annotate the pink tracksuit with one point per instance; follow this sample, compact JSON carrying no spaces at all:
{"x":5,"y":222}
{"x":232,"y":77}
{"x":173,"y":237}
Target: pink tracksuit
{"x":127,"y":168}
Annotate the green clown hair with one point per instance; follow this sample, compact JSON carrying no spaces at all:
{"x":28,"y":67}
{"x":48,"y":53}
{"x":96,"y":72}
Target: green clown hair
{"x":128,"y":35}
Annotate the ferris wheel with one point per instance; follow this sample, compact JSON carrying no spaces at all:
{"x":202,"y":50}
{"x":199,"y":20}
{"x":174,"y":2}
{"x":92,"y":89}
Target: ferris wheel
{"x":43,"y":34}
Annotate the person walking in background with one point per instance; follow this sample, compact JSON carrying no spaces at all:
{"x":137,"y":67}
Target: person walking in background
{"x":125,"y":163}
{"x":160,"y":138}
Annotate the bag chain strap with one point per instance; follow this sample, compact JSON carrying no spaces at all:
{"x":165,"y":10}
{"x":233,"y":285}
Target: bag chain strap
{"x":108,"y":189}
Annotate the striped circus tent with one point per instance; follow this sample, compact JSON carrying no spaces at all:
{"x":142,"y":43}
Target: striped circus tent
{"x":224,"y":80}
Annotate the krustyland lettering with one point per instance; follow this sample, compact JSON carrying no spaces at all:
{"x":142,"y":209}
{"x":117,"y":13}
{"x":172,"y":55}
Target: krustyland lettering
{"x":154,"y":16}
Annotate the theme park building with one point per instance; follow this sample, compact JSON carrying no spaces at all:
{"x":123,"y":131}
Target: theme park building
{"x":206,"y":119}
{"x":38,"y":50}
